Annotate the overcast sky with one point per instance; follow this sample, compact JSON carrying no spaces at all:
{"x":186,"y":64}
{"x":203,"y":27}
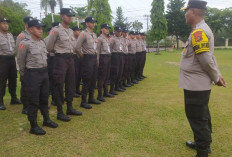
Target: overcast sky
{"x":133,"y":9}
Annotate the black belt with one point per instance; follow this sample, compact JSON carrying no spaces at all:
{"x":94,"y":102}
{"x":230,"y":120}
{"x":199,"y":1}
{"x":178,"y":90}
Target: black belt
{"x":117,"y":53}
{"x":90,"y":55}
{"x":65,"y":55}
{"x":105,"y":54}
{"x":7,"y":57}
{"x":131,"y":54}
{"x":138,"y":52}
{"x":37,"y":69}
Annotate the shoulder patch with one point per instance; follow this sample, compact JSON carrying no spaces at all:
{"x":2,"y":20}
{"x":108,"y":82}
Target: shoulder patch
{"x":21,"y":46}
{"x":21,"y":36}
{"x":53,"y":32}
{"x":82,"y":35}
{"x":200,"y":41}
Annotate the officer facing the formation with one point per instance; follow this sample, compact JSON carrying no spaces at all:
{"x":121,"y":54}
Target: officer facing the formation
{"x":24,"y":34}
{"x":7,"y":64}
{"x":51,"y":65}
{"x":87,"y":45}
{"x":33,"y":69}
{"x":132,"y":59}
{"x":198,"y":71}
{"x":116,"y":61}
{"x":104,"y":61}
{"x":125,"y":59}
{"x":60,"y":43}
{"x":77,"y":61}
{"x":144,"y":53}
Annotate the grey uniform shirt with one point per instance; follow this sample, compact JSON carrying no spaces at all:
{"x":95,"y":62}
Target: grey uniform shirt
{"x":7,"y":44}
{"x":144,"y":46}
{"x":132,"y":46}
{"x":74,"y":43}
{"x":139,"y":45}
{"x":86,"y":43}
{"x":60,"y":40}
{"x":198,"y":66}
{"x":33,"y":54}
{"x":125,"y":45}
{"x":103,"y":45}
{"x":116,"y":44}
{"x":24,"y":34}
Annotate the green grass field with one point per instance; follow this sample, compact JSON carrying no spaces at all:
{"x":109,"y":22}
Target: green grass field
{"x":148,"y":120}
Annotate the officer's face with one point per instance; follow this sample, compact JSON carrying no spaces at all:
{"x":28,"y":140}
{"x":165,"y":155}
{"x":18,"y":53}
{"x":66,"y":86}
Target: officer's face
{"x":4,"y":26}
{"x":66,"y":19}
{"x":124,"y":34}
{"x":132,"y":36}
{"x":90,"y":25}
{"x":138,"y":36}
{"x":36,"y":31}
{"x":76,"y":33}
{"x":118,"y":34}
{"x":143,"y":37}
{"x":189,"y":16}
{"x":105,"y":31}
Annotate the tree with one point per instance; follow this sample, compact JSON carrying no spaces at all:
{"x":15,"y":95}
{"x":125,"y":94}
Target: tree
{"x":51,"y":4}
{"x":158,"y":20}
{"x":120,"y":20}
{"x":80,"y":12}
{"x":137,"y":26}
{"x":227,"y":19}
{"x":101,"y":11}
{"x":15,"y":12}
{"x":176,"y":20}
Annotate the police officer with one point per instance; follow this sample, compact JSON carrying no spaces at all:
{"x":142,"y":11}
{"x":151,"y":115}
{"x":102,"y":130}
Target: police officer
{"x":132,"y":59}
{"x":24,"y":34}
{"x":7,"y":64}
{"x":138,"y":56}
{"x":144,"y":49}
{"x":125,"y":58}
{"x":77,"y":61}
{"x":50,"y":65}
{"x":116,"y":61}
{"x":60,"y":42}
{"x":198,"y":71}
{"x":87,"y":45}
{"x":104,"y":60}
{"x":33,"y":69}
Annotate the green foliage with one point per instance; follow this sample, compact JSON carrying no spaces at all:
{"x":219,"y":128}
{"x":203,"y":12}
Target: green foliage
{"x":14,"y":12}
{"x":101,"y":11}
{"x":120,"y":20}
{"x":80,"y":12}
{"x":48,"y":21}
{"x":137,"y":26}
{"x":158,"y":20}
{"x":50,"y":4}
{"x":176,"y":19}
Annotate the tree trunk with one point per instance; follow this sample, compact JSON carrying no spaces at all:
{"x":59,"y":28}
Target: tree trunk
{"x":177,"y":41}
{"x":157,"y":49}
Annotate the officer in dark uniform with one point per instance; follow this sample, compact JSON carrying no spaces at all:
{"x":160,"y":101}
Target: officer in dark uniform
{"x":60,"y":42}
{"x":24,"y":34}
{"x":7,"y":64}
{"x":33,"y":69}
{"x":77,"y":60}
{"x":138,"y":56}
{"x":104,"y":61}
{"x":87,"y":46}
{"x":198,"y":71}
{"x":144,"y":53}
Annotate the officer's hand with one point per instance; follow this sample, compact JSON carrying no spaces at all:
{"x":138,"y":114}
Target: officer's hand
{"x":221,"y":82}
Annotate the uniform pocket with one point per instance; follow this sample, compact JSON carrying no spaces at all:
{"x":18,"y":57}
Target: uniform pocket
{"x":3,"y":45}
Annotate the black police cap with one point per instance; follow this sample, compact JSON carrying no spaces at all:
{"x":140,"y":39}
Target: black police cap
{"x":35,"y":23}
{"x":143,"y":34}
{"x":132,"y":32}
{"x":76,"y":28}
{"x":105,"y":26}
{"x":66,"y":11}
{"x":54,"y":24}
{"x":27,"y":19}
{"x":124,"y":30}
{"x":90,"y":20}
{"x":5,"y":20}
{"x":118,"y":29}
{"x":199,"y":4}
{"x":49,"y":29}
{"x":137,"y":33}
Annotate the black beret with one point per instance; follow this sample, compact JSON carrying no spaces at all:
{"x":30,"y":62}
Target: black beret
{"x":199,"y":4}
{"x":66,"y":11}
{"x":76,"y":28}
{"x":132,"y":32}
{"x":27,"y":19}
{"x":5,"y":20}
{"x":35,"y":23}
{"x":119,"y":29}
{"x":90,"y":19}
{"x":105,"y":26}
{"x":124,"y":30}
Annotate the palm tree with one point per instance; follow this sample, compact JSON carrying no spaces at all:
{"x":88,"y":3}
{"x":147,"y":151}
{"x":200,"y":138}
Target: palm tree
{"x":51,"y":4}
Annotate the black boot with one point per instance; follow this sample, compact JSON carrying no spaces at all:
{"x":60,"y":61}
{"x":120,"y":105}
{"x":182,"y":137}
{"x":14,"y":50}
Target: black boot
{"x":121,"y":86}
{"x":192,"y":145}
{"x":72,"y":111}
{"x":53,"y":103}
{"x":202,"y":153}
{"x":35,"y":129}
{"x":2,"y":106}
{"x":118,"y":89}
{"x":92,"y":100}
{"x":15,"y":100}
{"x":60,"y":114}
{"x":107,"y":94}
{"x":125,"y":84}
{"x":76,"y":95}
{"x":100,"y":97}
{"x":47,"y":122}
{"x":84,"y":104}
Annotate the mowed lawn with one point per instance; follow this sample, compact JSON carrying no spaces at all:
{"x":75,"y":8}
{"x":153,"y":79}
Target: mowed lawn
{"x":148,"y":120}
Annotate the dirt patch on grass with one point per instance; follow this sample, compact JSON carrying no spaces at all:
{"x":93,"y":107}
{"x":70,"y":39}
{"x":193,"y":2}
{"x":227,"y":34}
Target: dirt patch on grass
{"x":173,"y":63}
